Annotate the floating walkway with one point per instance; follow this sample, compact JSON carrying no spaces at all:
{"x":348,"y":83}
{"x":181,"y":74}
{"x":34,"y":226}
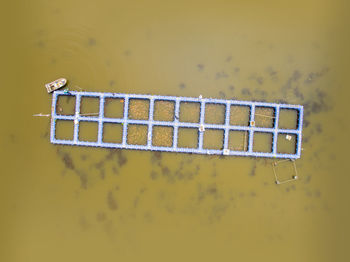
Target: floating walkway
{"x":250,"y":129}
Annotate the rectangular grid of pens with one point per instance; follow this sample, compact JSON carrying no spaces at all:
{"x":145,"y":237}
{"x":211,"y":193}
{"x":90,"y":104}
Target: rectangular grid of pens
{"x":227,"y":127}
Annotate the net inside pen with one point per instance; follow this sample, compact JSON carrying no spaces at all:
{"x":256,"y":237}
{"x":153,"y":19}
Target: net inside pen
{"x":220,"y":127}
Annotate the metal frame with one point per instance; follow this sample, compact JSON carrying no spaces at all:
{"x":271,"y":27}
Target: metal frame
{"x":294,"y":177}
{"x":175,"y":124}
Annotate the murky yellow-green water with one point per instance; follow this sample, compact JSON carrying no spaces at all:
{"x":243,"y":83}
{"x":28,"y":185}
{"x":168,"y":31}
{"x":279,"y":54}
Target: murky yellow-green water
{"x":61,"y":203}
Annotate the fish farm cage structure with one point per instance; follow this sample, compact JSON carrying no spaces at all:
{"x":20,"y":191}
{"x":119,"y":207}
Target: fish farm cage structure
{"x":126,"y":120}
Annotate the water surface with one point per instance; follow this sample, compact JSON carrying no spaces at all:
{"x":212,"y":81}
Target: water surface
{"x":61,"y":203}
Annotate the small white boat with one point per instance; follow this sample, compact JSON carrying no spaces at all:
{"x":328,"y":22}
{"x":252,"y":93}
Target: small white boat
{"x":55,"y":85}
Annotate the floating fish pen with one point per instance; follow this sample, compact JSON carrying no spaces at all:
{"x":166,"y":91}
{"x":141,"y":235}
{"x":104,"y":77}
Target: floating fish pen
{"x":179,"y":124}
